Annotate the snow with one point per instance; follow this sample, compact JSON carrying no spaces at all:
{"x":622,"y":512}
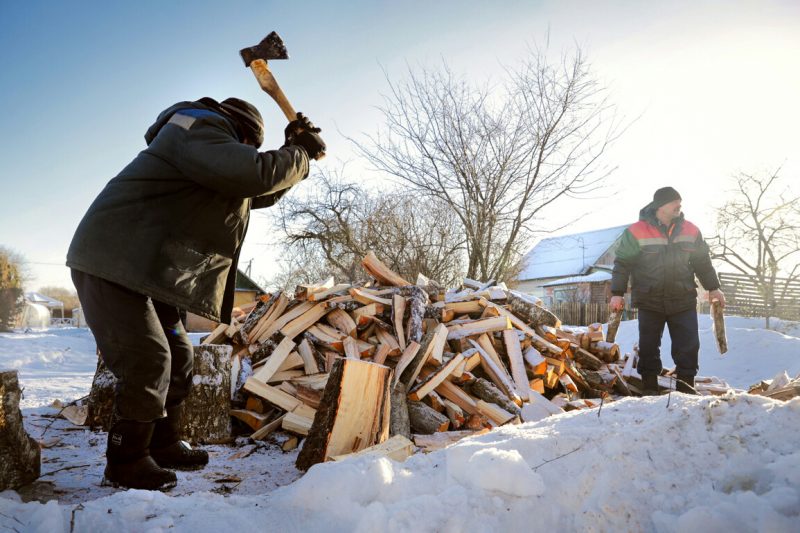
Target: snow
{"x":678,"y":463}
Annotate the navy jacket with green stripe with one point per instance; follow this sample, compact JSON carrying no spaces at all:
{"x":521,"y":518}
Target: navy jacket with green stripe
{"x":661,"y":263}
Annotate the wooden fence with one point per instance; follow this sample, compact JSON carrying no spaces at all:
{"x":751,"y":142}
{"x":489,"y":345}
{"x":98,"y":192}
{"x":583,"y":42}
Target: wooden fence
{"x":744,"y":298}
{"x":583,"y":314}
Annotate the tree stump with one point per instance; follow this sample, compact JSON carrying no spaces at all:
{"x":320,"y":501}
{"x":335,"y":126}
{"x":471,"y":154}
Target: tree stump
{"x":101,"y":396}
{"x":206,"y":411}
{"x":20,"y":457}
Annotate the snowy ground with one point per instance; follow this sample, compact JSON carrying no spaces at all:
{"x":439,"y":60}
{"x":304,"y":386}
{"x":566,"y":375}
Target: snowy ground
{"x":711,"y":464}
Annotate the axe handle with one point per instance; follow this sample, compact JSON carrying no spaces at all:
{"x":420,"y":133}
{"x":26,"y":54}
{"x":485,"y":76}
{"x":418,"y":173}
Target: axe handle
{"x":271,"y":87}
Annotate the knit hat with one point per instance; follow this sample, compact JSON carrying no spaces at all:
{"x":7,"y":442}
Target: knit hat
{"x":665,"y":195}
{"x":248,"y":118}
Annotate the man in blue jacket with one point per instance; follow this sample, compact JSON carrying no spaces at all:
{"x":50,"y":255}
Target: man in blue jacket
{"x":164,"y":235}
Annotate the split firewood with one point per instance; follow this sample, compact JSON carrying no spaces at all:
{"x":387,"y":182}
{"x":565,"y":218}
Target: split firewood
{"x":253,"y":419}
{"x":476,"y":327}
{"x":265,"y":430}
{"x":398,"y":314}
{"x":431,"y":348}
{"x":274,"y":361}
{"x":381,"y":272}
{"x":397,"y":448}
{"x":302,"y":292}
{"x":433,"y":380}
{"x":354,"y":412}
{"x":718,"y":326}
{"x":438,"y":441}
{"x":335,"y":290}
{"x":342,"y":321}
{"x":458,"y":396}
{"x":496,"y":414}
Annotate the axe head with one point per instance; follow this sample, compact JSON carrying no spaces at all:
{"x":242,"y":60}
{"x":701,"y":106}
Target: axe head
{"x":271,"y":47}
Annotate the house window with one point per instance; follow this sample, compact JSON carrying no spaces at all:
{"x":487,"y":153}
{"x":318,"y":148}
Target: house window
{"x":565,"y":294}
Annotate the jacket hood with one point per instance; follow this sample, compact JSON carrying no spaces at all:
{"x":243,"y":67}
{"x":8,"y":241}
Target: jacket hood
{"x":165,"y":115}
{"x":648,"y":214}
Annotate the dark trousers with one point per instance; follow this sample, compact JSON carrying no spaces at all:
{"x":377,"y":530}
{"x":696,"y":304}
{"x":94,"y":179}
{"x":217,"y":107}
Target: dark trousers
{"x":682,"y":332}
{"x":143,"y":343}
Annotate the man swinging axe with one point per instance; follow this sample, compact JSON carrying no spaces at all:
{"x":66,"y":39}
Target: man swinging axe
{"x":165,"y":235}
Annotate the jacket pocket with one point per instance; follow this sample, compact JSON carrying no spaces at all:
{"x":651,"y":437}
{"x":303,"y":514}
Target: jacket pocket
{"x":181,"y":265}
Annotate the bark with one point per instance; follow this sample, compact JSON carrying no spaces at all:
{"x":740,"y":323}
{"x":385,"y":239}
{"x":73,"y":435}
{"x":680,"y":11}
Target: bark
{"x":425,"y":419}
{"x":20,"y":457}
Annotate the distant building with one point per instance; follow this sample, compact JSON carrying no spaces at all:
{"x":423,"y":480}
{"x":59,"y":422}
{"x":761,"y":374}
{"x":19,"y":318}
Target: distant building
{"x":247,"y":291}
{"x":571,"y":268}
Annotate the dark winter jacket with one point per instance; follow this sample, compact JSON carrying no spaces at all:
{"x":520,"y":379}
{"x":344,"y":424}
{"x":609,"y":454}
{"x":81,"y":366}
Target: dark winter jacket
{"x":171,"y":224}
{"x":662,"y":262}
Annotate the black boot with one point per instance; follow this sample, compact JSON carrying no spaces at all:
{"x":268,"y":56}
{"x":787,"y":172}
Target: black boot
{"x":685,"y":384}
{"x":169,"y":450}
{"x":128,"y":460}
{"x":650,"y":384}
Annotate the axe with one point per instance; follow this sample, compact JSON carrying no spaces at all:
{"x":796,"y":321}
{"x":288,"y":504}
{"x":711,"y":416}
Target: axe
{"x":256,"y":57}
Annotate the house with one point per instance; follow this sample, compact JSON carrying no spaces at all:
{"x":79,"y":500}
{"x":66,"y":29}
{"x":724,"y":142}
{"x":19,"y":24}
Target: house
{"x":571,"y":268}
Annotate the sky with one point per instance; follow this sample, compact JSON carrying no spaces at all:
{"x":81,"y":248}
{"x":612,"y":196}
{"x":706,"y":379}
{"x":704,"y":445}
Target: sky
{"x":709,"y":89}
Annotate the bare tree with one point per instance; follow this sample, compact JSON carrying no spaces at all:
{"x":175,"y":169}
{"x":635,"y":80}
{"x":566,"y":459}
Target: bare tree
{"x":12,"y":278}
{"x":497,"y":158}
{"x":758,"y":234}
{"x":331,"y":230}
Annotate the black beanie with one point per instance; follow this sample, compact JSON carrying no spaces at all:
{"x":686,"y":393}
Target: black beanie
{"x":665,"y":195}
{"x":247,"y":116}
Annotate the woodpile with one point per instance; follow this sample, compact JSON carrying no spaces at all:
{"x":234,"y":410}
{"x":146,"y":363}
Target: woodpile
{"x":347,"y":367}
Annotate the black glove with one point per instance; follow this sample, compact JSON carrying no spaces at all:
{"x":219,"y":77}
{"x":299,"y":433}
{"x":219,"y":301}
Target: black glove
{"x":302,"y":132}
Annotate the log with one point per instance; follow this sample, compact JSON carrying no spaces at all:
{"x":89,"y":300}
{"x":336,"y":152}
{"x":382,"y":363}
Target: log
{"x":718,"y":326}
{"x":416,"y":302}
{"x":495,"y":413}
{"x":20,"y":456}
{"x":354,"y":412}
{"x":613,"y":325}
{"x":398,"y":419}
{"x":487,"y":391}
{"x":586,"y":359}
{"x":532,"y":313}
{"x":425,"y":419}
{"x":608,"y":351}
